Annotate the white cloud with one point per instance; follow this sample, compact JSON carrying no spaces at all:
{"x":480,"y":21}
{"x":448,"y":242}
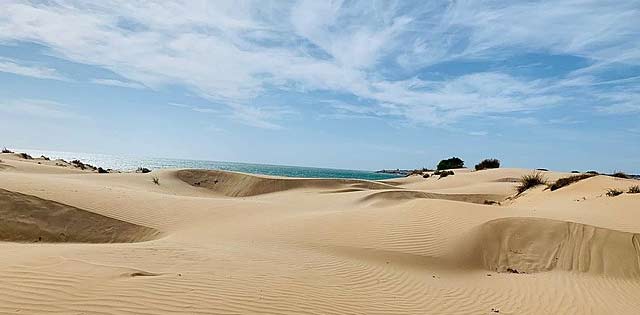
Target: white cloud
{"x":39,"y":108}
{"x":234,"y":52}
{"x":118,"y":83}
{"x":13,"y":66}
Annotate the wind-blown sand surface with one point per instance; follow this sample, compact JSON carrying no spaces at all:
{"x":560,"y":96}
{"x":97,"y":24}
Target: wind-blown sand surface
{"x":212,"y":242}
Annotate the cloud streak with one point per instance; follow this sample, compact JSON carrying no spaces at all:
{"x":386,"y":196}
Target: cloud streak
{"x":15,"y":67}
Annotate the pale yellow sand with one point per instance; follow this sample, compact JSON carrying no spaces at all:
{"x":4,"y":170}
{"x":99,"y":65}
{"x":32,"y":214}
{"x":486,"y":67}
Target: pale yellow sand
{"x":207,"y":242}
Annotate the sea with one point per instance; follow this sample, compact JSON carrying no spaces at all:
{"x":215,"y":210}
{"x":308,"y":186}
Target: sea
{"x":131,"y":163}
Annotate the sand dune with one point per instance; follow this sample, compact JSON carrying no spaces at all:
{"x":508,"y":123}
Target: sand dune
{"x":30,"y":219}
{"x":530,"y":245}
{"x":245,"y":244}
{"x":403,"y":195}
{"x":242,"y":185}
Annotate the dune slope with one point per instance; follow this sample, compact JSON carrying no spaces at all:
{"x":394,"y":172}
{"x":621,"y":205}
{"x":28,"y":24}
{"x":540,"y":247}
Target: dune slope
{"x":31,"y":219}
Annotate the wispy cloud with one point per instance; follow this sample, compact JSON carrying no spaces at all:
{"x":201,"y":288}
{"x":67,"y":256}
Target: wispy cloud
{"x":40,"y":108}
{"x":234,"y":53}
{"x":118,"y":83}
{"x":16,"y":67}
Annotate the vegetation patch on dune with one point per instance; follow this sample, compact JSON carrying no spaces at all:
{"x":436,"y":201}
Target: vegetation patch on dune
{"x":453,"y":162}
{"x":620,"y":175}
{"x":487,"y":164}
{"x":612,"y":192}
{"x":566,"y":181}
{"x":634,"y":189}
{"x":529,"y":181}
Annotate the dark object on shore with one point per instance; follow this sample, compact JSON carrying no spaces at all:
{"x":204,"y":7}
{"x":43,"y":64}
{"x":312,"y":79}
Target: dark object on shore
{"x":143,"y":170}
{"x":5,"y":150}
{"x":530,"y":181}
{"x":102,"y":170}
{"x":445,"y":173}
{"x":83,"y":166}
{"x":491,"y":202}
{"x":593,"y":172}
{"x":566,"y":181}
{"x":542,"y":169}
{"x":426,"y":176}
{"x":395,"y":172}
{"x":450,"y":163}
{"x":25,"y":156}
{"x":45,"y":158}
{"x":488,"y":163}
{"x":612,"y":192}
{"x":575,"y":172}
{"x":620,"y":175}
{"x":634,"y":190}
{"x":155,"y":180}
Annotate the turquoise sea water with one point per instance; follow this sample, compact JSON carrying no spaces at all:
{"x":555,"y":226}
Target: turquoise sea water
{"x":129,"y":163}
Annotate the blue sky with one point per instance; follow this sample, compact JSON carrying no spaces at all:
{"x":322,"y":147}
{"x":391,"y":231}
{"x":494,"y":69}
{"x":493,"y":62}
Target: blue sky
{"x":351,"y":84}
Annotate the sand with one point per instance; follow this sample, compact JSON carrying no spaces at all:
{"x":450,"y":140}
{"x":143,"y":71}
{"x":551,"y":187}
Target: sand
{"x":212,"y":242}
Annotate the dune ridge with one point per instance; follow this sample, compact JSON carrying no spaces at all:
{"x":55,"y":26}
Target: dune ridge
{"x":235,"y":184}
{"x":27,"y":218}
{"x":404,"y":195}
{"x":530,"y":245}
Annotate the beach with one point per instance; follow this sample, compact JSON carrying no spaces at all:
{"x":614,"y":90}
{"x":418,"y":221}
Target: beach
{"x":219,"y":242}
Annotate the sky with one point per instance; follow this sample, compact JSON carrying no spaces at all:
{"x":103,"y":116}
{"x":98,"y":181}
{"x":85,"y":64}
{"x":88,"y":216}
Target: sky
{"x":342,"y":84}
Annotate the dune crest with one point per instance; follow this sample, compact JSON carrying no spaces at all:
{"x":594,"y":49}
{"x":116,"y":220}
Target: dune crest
{"x":529,"y":245}
{"x":393,"y":196}
{"x":27,"y":218}
{"x":235,"y":184}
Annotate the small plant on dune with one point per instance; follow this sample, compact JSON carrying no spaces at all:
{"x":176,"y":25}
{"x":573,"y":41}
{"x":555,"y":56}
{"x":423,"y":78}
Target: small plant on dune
{"x":488,"y":163}
{"x":415,"y":172}
{"x":450,"y":163}
{"x":25,"y":156}
{"x":612,"y":192}
{"x":155,"y":180}
{"x":634,"y":190}
{"x":593,"y":172}
{"x":620,"y":175}
{"x":425,"y":176}
{"x":542,"y":169}
{"x":575,"y":172}
{"x":5,"y":150}
{"x":530,"y":181}
{"x":444,"y":174}
{"x":566,"y":181}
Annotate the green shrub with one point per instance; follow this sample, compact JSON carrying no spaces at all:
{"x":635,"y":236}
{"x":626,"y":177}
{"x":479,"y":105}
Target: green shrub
{"x":5,"y":150}
{"x":575,"y":172}
{"x":565,"y":181}
{"x":593,"y":172}
{"x":488,"y":163}
{"x":612,"y":192}
{"x":620,"y":175}
{"x":425,"y":176}
{"x":450,"y":163}
{"x":446,"y":173}
{"x":634,"y":190}
{"x":530,"y":181}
